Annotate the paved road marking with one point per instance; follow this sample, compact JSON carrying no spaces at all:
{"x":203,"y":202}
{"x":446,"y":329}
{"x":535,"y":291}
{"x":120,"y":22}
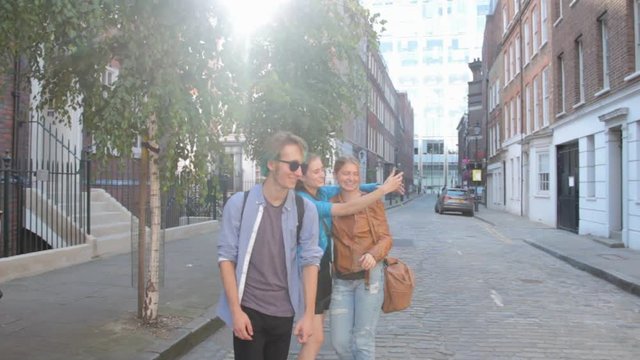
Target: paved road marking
{"x":496,"y":298}
{"x":491,"y":230}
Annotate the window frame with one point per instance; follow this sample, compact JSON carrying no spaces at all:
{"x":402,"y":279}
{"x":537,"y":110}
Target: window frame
{"x":562,"y":84}
{"x":534,"y":31}
{"x":546,"y":96}
{"x":544,"y":22}
{"x":527,"y":41}
{"x":636,"y":22}
{"x":527,"y":108}
{"x":580,"y":68}
{"x":536,"y":103}
{"x":543,"y":178}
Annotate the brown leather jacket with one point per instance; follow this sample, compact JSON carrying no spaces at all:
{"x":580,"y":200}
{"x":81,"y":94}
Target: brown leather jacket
{"x":354,"y":235}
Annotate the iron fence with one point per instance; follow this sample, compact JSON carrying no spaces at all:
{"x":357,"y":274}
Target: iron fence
{"x":44,"y":195}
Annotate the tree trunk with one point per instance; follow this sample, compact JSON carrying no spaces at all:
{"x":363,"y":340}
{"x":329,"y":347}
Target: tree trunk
{"x":142,"y":227}
{"x":152,"y":287}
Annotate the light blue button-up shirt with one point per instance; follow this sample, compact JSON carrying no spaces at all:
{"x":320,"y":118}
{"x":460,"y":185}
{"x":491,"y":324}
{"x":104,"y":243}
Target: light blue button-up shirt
{"x":237,"y":236}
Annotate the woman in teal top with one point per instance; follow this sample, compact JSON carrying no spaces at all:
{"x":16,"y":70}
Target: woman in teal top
{"x":311,"y":186}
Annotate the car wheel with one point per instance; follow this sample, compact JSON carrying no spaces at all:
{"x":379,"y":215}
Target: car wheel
{"x":440,"y":211}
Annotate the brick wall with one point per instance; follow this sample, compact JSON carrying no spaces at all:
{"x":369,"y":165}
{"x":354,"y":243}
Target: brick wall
{"x":6,"y":114}
{"x":581,"y":21}
{"x":532,"y":69}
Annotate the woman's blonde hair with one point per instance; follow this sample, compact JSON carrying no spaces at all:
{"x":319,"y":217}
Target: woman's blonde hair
{"x":342,"y":161}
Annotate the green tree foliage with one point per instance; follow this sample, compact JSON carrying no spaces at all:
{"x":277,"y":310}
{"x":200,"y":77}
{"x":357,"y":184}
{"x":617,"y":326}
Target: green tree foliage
{"x":169,"y":60}
{"x":303,"y":72}
{"x":171,"y":88}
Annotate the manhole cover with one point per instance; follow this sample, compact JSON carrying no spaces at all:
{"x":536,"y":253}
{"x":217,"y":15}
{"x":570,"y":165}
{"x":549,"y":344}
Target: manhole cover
{"x":612,"y":257}
{"x":402,"y":242}
{"x":531,"y":281}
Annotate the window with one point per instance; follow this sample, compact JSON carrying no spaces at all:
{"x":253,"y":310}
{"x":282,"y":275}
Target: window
{"x":543,"y":172}
{"x":580,"y":71}
{"x":636,"y":22}
{"x":561,"y":84}
{"x":536,"y":103}
{"x":518,"y":62}
{"x":513,"y":117}
{"x":516,"y":7}
{"x":546,"y":94}
{"x":506,"y":67}
{"x":544,"y":22}
{"x":513,"y":179}
{"x":527,"y":41}
{"x":506,"y":120}
{"x":505,"y":19}
{"x":512,"y":60}
{"x":517,"y":174}
{"x":534,"y":31}
{"x":604,"y":54}
{"x":518,"y":114}
{"x":559,"y":2}
{"x":109,"y":76}
{"x":591,"y":167}
{"x":527,"y":108}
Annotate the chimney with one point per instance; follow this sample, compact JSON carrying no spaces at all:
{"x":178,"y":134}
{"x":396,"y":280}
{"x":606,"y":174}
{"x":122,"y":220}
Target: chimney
{"x":476,"y":69}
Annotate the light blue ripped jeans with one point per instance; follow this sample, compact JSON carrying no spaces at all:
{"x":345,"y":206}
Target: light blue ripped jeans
{"x":354,"y":314}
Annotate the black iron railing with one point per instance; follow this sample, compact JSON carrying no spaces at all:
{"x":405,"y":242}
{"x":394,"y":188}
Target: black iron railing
{"x":44,"y":194}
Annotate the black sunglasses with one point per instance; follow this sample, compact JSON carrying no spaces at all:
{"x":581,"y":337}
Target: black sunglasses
{"x":294,"y":165}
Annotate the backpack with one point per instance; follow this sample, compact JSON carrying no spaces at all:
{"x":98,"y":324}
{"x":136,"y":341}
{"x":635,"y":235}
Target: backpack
{"x":299,"y":207}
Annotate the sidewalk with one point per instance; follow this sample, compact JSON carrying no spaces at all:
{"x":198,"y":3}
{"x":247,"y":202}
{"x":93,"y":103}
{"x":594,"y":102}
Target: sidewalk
{"x":88,"y":311}
{"x":619,"y":266}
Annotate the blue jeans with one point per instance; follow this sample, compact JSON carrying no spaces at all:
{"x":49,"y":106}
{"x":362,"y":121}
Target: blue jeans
{"x":355,"y":310}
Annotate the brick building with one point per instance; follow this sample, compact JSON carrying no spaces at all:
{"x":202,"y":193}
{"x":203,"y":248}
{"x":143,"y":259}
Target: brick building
{"x":563,"y":95}
{"x":493,"y":76}
{"x":378,"y":135}
{"x":596,"y":66}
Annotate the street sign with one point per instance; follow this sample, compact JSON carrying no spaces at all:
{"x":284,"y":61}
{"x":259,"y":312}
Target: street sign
{"x":476,"y":175}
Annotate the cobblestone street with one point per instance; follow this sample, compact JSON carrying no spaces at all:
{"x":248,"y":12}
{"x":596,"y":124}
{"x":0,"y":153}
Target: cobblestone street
{"x":483,"y":295}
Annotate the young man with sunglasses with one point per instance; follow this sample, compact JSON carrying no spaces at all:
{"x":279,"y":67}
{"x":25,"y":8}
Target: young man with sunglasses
{"x":269,"y":270}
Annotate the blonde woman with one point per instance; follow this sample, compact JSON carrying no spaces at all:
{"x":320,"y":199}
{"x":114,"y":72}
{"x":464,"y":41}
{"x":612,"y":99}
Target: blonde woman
{"x":361,"y":242}
{"x":311,"y":186}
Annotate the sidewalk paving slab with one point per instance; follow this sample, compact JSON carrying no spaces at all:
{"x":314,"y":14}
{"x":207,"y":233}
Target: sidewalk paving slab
{"x":88,"y":311}
{"x":599,"y":257}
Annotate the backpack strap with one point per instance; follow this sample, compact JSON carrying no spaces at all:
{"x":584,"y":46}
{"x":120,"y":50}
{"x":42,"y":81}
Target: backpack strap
{"x":299,"y":208}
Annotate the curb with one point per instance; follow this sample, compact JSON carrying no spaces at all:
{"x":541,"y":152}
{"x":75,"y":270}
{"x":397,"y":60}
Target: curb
{"x":401,"y":203}
{"x":615,"y":279}
{"x":188,"y":338}
{"x":483,"y":219}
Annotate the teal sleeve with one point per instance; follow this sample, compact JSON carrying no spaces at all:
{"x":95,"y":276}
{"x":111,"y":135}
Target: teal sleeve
{"x":370,"y":187}
{"x":324,"y":209}
{"x":326,"y":192}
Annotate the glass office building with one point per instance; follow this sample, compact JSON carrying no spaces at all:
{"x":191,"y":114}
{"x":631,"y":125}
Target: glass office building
{"x":427,"y":45}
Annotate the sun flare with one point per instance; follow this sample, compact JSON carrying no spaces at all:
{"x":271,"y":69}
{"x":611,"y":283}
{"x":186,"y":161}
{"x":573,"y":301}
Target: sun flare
{"x":249,"y":15}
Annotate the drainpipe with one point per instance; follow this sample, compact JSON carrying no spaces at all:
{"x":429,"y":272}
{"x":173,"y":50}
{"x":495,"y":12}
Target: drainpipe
{"x":522,"y":118}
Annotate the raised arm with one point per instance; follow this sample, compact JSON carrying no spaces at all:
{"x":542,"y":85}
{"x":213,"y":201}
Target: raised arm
{"x":393,"y":183}
{"x":329,"y":191}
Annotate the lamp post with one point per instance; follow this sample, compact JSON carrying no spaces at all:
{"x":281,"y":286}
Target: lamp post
{"x":476,"y":134}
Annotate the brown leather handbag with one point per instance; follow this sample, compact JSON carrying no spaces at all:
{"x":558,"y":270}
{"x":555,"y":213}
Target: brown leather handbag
{"x":398,"y":285}
{"x":398,"y":280}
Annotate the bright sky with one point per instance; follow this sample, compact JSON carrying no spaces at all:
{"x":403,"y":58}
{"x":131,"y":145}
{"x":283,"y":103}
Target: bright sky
{"x":249,"y":15}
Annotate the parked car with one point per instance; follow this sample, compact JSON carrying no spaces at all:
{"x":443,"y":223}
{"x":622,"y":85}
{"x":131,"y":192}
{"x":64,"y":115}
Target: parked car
{"x":455,"y":199}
